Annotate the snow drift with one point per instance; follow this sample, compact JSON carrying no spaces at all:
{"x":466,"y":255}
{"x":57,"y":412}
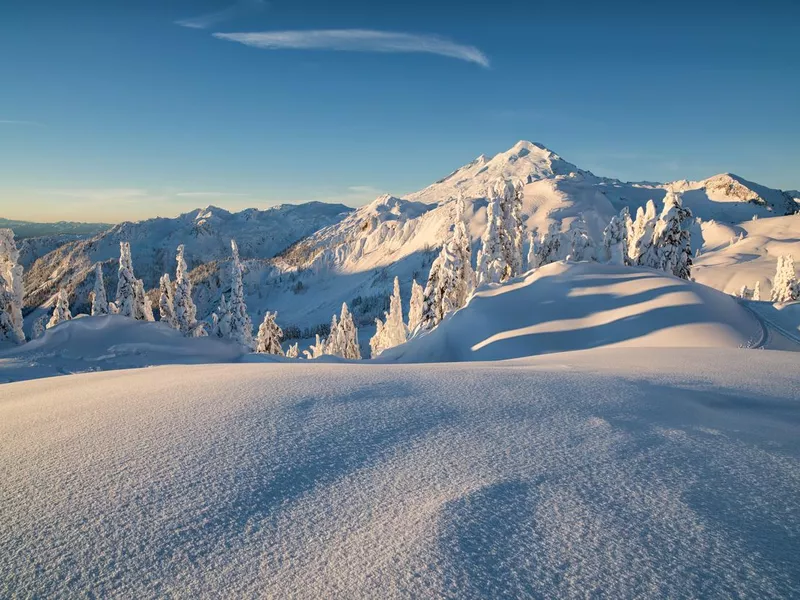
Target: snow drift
{"x":614,"y":473}
{"x":107,"y":343}
{"x":575,"y":306}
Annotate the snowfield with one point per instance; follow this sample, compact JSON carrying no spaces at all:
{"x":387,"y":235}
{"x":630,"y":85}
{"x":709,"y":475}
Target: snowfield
{"x":574,"y":306}
{"x":616,"y":473}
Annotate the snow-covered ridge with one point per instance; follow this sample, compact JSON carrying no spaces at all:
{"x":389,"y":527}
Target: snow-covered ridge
{"x":206,"y":234}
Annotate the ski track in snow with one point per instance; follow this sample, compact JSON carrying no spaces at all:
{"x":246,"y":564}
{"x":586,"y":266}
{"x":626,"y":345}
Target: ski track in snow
{"x":620,"y":473}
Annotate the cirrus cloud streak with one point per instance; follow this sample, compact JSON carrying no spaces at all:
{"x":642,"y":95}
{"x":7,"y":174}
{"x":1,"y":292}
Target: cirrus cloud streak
{"x":358,"y":40}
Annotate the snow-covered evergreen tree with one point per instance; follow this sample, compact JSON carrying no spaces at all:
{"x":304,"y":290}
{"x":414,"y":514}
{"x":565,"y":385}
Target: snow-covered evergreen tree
{"x":317,"y":349}
{"x":269,"y":336}
{"x":39,"y":326}
{"x":641,"y":236}
{"x":343,"y":339}
{"x":582,"y":246}
{"x":99,"y":298}
{"x":293,"y":351}
{"x":615,"y":238}
{"x":241,"y":327}
{"x":785,"y":287}
{"x":221,"y":320}
{"x":415,"y":306}
{"x":511,"y":234}
{"x":126,"y":283}
{"x":11,"y":290}
{"x":451,"y":279}
{"x":61,"y":311}
{"x":491,"y":260}
{"x":377,"y":342}
{"x":393,"y":332}
{"x":185,"y":310}
{"x":671,"y":246}
{"x":757,"y":291}
{"x":534,"y":249}
{"x":131,"y":298}
{"x":143,"y":301}
{"x":744,"y":293}
{"x":166,"y":307}
{"x":552,"y":247}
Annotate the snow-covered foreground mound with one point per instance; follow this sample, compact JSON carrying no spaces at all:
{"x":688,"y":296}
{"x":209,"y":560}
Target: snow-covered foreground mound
{"x":617,"y":473}
{"x":575,"y":306}
{"x":110,"y":342}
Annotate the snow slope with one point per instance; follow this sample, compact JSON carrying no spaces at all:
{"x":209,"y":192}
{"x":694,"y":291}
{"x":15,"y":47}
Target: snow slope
{"x":108,"y":343}
{"x":728,"y":266}
{"x":613,"y":473}
{"x":574,"y":306}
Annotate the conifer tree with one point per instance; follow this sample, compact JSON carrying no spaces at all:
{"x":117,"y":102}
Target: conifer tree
{"x":269,"y":336}
{"x":415,"y":306}
{"x":785,"y":287}
{"x":671,"y":246}
{"x":166,"y":309}
{"x":39,"y":326}
{"x":185,"y":309}
{"x":99,"y":298}
{"x":534,"y":250}
{"x":11,"y":290}
{"x":615,"y":237}
{"x":582,"y":247}
{"x":492,"y":266}
{"x":293,"y":351}
{"x":241,"y":327}
{"x":61,"y":311}
{"x":757,"y":291}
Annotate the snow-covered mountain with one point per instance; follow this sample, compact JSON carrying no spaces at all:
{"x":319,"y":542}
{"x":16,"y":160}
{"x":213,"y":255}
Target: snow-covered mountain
{"x":206,"y":233}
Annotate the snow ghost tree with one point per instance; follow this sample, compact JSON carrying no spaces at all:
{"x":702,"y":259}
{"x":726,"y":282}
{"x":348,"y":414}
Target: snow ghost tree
{"x":451,"y":280}
{"x":534,"y":249}
{"x":99,"y":298}
{"x":241,"y":327}
{"x":552,"y":246}
{"x":11,"y":291}
{"x":293,"y":351}
{"x":269,"y":336}
{"x":785,"y":287}
{"x":316,"y":350}
{"x":491,"y":260}
{"x":377,"y":341}
{"x":221,"y":320}
{"x":185,"y":310}
{"x":61,"y":311}
{"x":582,"y":246}
{"x":166,"y":307}
{"x":415,"y":306}
{"x":744,"y":293}
{"x":131,"y":300}
{"x":143,"y":300}
{"x":511,"y":233}
{"x":641,"y":235}
{"x":615,"y":237}
{"x":757,"y":292}
{"x":343,"y":339}
{"x":671,"y":246}
{"x":393,"y":332}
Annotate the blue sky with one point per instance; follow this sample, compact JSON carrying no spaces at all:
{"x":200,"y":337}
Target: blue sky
{"x":114,"y":110}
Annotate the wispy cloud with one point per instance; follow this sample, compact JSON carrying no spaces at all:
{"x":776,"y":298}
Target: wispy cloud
{"x":358,"y":40}
{"x":18,"y":122}
{"x":234,"y":11}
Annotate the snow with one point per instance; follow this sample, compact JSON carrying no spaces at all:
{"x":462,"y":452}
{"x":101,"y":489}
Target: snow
{"x":609,"y":473}
{"x":108,"y":342}
{"x":574,"y":306}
